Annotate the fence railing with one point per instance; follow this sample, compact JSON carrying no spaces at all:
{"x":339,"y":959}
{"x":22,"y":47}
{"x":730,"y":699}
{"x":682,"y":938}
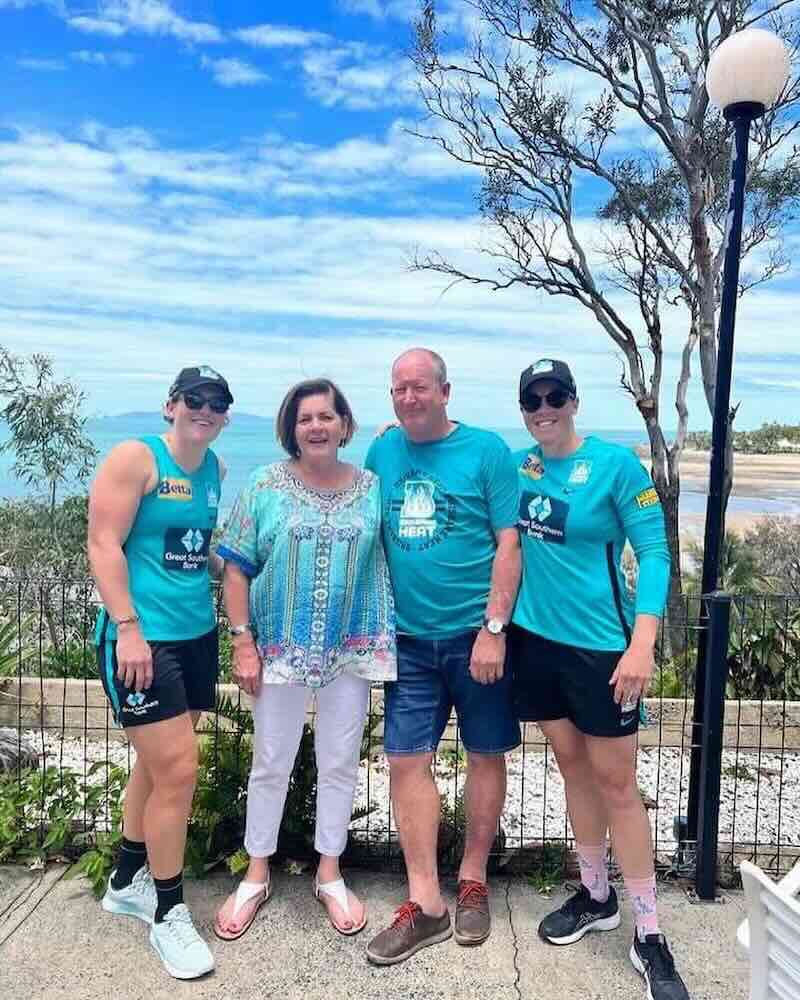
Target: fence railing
{"x":52,"y":703}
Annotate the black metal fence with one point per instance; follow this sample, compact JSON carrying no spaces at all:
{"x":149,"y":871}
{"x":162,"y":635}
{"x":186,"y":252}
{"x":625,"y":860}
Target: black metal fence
{"x":51,"y":703}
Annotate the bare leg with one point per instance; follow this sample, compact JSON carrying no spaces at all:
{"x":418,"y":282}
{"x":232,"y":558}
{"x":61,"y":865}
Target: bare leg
{"x":585,"y":803}
{"x":416,"y":803}
{"x":168,"y":752}
{"x":484,"y":795}
{"x":614,"y":771}
{"x":137,"y":792}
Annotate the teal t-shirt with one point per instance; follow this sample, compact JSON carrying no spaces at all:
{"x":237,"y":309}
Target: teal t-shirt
{"x":443,"y":501}
{"x":167,"y":551}
{"x":574,"y":516}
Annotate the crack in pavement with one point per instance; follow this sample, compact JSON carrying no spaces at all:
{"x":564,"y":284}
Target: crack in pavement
{"x":48,"y":889}
{"x":514,"y":941}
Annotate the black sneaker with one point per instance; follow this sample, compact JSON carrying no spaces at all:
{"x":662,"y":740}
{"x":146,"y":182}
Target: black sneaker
{"x":652,"y":958}
{"x":579,"y":915}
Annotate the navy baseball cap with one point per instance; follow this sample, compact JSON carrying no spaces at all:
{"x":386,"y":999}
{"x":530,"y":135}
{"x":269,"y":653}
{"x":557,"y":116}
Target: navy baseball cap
{"x":547,"y":370}
{"x":193,"y":378}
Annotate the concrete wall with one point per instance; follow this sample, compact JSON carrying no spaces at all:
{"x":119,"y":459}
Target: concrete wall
{"x":76,"y":705}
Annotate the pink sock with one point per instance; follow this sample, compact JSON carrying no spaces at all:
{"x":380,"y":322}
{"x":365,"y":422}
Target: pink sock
{"x":642,"y":893}
{"x":592,"y":859}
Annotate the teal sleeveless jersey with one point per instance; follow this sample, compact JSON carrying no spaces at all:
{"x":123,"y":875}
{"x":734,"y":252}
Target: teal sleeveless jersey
{"x":167,"y":551}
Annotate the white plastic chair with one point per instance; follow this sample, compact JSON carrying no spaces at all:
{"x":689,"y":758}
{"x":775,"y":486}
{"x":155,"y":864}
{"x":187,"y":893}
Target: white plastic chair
{"x":771,"y":933}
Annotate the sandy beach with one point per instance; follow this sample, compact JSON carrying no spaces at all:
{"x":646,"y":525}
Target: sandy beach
{"x":757,"y":480}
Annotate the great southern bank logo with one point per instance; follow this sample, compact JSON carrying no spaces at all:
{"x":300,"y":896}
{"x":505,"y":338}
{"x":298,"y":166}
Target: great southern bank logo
{"x":193,"y":540}
{"x":137,"y":704}
{"x":543,"y":517}
{"x":539,"y":509}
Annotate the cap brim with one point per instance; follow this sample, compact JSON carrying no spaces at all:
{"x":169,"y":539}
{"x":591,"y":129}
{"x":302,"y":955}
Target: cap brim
{"x":546,"y":377}
{"x":199,"y":382}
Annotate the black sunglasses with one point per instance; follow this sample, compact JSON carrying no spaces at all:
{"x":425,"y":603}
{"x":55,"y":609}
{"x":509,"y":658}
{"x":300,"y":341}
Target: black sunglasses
{"x":196,"y":401}
{"x":555,"y":399}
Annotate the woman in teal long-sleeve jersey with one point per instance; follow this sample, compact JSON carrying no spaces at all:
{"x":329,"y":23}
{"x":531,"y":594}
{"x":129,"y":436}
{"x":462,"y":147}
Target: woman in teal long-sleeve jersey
{"x":583,"y":653}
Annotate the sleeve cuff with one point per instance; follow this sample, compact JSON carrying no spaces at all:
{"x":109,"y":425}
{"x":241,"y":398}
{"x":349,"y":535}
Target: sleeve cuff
{"x":229,"y":555}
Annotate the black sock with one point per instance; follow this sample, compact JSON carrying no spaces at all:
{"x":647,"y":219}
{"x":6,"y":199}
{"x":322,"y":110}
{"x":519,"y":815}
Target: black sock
{"x":132,"y":855}
{"x":170,"y":893}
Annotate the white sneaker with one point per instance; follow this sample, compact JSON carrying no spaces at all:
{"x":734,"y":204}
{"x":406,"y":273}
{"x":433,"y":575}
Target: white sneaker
{"x":184,"y":953}
{"x":136,"y":900}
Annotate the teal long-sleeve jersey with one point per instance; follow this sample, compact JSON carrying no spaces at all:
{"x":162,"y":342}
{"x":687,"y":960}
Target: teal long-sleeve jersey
{"x":575,"y":514}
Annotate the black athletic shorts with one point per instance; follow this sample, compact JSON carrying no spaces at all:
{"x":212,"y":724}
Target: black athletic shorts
{"x":184,"y":680}
{"x":556,"y":681}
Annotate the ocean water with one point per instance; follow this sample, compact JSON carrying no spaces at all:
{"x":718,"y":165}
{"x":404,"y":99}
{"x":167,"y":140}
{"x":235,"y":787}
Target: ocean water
{"x":250,"y":441}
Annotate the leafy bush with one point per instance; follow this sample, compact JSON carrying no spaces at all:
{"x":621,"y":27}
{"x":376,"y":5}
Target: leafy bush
{"x":73,"y":660}
{"x":769,"y":439}
{"x":47,"y":813}
{"x":764,"y":652}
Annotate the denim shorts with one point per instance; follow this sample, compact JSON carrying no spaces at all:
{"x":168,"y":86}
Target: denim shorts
{"x":433,"y":677}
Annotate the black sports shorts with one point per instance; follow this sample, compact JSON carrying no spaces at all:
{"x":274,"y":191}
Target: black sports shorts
{"x":556,"y":681}
{"x":184,"y":680}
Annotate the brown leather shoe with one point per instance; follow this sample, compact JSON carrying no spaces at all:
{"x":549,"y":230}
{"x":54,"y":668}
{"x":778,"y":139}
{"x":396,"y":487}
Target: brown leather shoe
{"x":473,"y":923}
{"x":410,"y":930}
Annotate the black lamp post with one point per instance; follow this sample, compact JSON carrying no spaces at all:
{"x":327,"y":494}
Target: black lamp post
{"x":745,"y":76}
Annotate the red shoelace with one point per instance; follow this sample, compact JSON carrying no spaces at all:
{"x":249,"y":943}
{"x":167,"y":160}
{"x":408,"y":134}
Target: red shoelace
{"x":472,"y":894}
{"x":406,"y":913}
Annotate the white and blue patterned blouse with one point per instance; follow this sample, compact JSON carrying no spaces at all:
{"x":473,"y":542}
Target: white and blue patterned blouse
{"x":320,"y":597}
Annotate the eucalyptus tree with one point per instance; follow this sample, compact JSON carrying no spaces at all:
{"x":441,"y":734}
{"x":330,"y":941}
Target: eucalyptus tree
{"x":505,"y":103}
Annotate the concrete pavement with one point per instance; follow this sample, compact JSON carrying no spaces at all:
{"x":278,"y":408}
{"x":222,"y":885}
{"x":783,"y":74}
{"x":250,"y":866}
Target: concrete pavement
{"x":57,"y":943}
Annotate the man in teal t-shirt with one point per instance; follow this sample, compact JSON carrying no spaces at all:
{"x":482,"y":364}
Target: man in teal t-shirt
{"x":450,"y":505}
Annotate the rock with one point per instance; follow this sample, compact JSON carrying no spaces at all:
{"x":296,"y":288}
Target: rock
{"x":16,"y":752}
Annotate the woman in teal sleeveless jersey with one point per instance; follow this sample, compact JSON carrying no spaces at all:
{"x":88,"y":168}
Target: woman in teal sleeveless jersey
{"x":582,"y":648}
{"x":152,"y":509}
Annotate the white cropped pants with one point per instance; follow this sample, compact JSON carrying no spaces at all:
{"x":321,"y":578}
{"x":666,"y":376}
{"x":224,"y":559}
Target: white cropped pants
{"x":279,"y":713}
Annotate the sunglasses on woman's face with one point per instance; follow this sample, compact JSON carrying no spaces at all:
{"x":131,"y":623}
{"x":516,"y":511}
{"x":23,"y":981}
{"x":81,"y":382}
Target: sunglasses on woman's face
{"x":555,"y":399}
{"x":196,"y":401}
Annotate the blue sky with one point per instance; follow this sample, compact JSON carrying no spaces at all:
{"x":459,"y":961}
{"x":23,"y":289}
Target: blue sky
{"x":232,"y":183}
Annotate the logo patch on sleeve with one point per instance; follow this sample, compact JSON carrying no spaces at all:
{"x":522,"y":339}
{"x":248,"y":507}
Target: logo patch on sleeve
{"x":647,"y":498}
{"x":174,"y":488}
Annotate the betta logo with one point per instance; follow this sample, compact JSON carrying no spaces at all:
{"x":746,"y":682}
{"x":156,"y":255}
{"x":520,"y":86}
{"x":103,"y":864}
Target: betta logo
{"x":173,"y":488}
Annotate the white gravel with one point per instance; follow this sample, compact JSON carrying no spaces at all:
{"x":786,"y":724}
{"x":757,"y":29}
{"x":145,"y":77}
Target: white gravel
{"x":759,"y":804}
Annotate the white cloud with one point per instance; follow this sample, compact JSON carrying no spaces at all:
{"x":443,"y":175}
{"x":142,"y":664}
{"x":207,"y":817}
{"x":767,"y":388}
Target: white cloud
{"x":42,"y":65}
{"x":233,"y":72}
{"x":404,"y":10}
{"x":93,"y":58}
{"x":114,"y":237}
{"x":358,"y":77}
{"x":97,"y":26}
{"x":273,"y":36}
{"x":151,"y":17}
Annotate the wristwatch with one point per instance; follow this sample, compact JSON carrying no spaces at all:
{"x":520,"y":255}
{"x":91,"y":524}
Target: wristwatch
{"x":495,"y":626}
{"x":239,"y":629}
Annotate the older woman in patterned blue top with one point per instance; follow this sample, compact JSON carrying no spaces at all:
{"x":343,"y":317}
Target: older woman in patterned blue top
{"x":308,"y":596}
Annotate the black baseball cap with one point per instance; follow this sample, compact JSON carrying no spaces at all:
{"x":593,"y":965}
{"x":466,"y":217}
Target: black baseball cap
{"x":549,"y":370}
{"x":193,"y":378}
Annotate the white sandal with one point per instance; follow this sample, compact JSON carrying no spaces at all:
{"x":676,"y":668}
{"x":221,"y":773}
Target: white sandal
{"x":337,"y":890}
{"x":245,"y":892}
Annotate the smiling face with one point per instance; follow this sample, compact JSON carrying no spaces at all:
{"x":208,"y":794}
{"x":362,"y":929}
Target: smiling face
{"x":419,"y":397}
{"x":319,"y":429}
{"x":552,"y":426}
{"x":193,"y":424}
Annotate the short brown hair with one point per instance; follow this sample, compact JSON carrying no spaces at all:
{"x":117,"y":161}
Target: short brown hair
{"x":286,"y":421}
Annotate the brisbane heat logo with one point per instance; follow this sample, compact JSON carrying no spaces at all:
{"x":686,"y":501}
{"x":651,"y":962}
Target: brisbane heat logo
{"x":418,"y":511}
